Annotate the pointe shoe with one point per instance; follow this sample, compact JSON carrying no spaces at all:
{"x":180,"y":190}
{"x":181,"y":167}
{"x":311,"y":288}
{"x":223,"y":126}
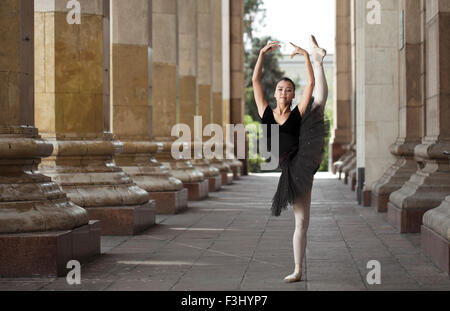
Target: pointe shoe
{"x":295,"y":277}
{"x":317,"y":52}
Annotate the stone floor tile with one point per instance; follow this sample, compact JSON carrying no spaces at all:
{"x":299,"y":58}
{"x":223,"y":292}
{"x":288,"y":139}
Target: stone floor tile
{"x":229,"y":241}
{"x":140,"y":285}
{"x":14,"y":285}
{"x":86,"y":285}
{"x":337,"y":285}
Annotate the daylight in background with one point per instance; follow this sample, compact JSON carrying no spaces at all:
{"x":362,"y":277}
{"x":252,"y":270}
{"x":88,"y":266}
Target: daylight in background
{"x":291,"y":21}
{"x":295,"y":20}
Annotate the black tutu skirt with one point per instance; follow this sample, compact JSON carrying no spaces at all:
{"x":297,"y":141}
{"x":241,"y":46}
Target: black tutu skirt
{"x":299,"y":166}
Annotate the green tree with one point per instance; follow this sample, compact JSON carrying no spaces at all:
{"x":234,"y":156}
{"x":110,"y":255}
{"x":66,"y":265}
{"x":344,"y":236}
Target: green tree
{"x":254,"y":163}
{"x":254,"y":17}
{"x":329,"y":119}
{"x":271,"y":74}
{"x":252,"y":9}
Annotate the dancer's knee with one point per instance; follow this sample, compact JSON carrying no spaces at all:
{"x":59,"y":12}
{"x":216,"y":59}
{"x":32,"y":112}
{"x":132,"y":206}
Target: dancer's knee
{"x":301,"y":225}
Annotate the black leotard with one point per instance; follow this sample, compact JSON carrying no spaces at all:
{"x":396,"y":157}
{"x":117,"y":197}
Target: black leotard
{"x":301,"y":150}
{"x":289,"y":131}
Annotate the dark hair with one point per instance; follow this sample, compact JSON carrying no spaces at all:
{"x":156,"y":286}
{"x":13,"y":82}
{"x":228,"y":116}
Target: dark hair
{"x":288,"y":80}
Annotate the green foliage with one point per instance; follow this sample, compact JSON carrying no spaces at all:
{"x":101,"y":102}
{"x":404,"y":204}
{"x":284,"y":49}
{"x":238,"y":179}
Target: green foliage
{"x":272,"y":73}
{"x":254,"y":165}
{"x":324,"y":165}
{"x":251,"y":10}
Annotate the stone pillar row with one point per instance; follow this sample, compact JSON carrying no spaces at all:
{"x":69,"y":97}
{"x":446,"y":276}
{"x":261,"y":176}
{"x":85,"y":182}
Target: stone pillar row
{"x":70,"y":87}
{"x":167,"y":96}
{"x":237,"y":98}
{"x":105,"y":94}
{"x":428,"y":186}
{"x":343,"y":139}
{"x":410,"y":108}
{"x":341,"y":134}
{"x":40,"y":228}
{"x":422,"y":203}
{"x":202,"y":46}
{"x":132,"y":110}
{"x":414,"y":189}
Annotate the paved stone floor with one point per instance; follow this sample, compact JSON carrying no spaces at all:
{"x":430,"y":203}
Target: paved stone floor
{"x":230,"y":242}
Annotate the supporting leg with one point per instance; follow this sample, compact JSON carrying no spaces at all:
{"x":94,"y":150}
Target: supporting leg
{"x":301,"y":213}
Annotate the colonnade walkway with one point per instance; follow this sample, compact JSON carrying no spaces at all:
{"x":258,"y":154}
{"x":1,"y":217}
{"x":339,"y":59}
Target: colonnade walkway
{"x":230,"y":242}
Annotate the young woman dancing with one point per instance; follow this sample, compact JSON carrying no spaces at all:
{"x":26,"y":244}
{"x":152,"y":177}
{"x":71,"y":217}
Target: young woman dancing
{"x":301,"y":140}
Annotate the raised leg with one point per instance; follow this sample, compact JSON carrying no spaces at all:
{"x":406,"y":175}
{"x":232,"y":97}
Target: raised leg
{"x":321,"y":89}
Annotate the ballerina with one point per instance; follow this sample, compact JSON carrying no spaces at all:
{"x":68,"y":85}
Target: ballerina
{"x":301,"y":140}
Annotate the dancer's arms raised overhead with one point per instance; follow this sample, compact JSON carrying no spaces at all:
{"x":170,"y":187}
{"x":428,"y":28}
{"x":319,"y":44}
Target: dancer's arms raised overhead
{"x":307,"y":93}
{"x":256,"y":80}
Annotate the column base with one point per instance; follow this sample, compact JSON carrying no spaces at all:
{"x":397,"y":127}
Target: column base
{"x":236,"y":172}
{"x":235,"y":166}
{"x":347,"y":168}
{"x":435,"y":234}
{"x":339,"y":164}
{"x":425,"y":190}
{"x":124,"y":220}
{"x":392,"y":180}
{"x":336,"y":153}
{"x":197,"y":190}
{"x":227,"y":178}
{"x":170,"y":202}
{"x":46,"y":254}
{"x":380,"y":201}
{"x":215,"y":183}
{"x":405,"y":220}
{"x":436,"y":247}
{"x":352,"y":175}
{"x":366,"y":197}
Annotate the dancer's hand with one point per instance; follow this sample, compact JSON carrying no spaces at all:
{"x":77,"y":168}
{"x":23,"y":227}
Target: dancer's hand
{"x":271,"y":46}
{"x":298,"y":50}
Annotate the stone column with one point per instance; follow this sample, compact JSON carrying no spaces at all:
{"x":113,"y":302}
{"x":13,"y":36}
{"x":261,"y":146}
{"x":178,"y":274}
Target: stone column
{"x":224,"y":168}
{"x":341,"y":134}
{"x":217,"y":75}
{"x":165,"y":100}
{"x":351,"y":148}
{"x":435,"y":234}
{"x":226,"y":66}
{"x":204,"y":59}
{"x":237,"y":76}
{"x":203,"y":51}
{"x":217,"y":63}
{"x":429,"y":186}
{"x":411,"y":72}
{"x":377,"y":97}
{"x":70,"y":112}
{"x":237,"y":61}
{"x":40,"y":229}
{"x":345,"y":85}
{"x":187,"y":59}
{"x":132,"y":118}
